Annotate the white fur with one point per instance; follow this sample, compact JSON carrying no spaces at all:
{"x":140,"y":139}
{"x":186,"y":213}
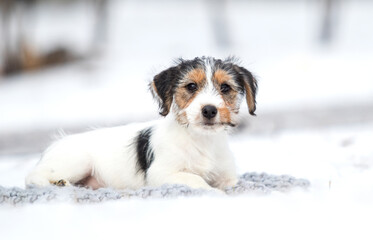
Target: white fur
{"x":106,"y":154}
{"x":181,"y":157}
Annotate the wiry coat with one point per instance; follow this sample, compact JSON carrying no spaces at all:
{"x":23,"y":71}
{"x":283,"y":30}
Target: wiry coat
{"x":200,"y":100}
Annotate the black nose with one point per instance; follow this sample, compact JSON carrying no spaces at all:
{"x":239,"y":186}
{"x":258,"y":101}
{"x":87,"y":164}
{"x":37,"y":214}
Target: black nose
{"x":209,"y":111}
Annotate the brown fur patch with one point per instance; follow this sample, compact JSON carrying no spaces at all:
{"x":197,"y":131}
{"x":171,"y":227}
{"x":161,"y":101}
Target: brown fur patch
{"x":154,"y":88}
{"x":249,"y":98}
{"x":225,"y":115}
{"x":183,"y":97}
{"x":197,"y":75}
{"x":230,"y":99}
{"x":221,"y":76}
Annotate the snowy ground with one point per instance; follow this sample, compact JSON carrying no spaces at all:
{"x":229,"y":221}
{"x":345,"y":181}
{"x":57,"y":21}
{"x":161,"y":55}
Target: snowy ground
{"x":276,"y":42}
{"x":338,"y":205}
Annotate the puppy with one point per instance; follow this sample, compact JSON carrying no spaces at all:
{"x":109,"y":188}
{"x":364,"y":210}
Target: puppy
{"x":200,"y":101}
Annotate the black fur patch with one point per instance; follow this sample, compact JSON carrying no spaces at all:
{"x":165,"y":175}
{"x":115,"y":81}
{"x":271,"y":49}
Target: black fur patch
{"x":145,"y":155}
{"x":166,"y":82}
{"x":243,"y":75}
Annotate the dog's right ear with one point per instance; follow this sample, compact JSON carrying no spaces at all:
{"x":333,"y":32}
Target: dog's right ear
{"x":162,"y":88}
{"x":250,"y":85}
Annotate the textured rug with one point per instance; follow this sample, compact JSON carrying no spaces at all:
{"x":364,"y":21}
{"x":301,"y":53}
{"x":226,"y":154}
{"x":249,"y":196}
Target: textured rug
{"x":249,"y":183}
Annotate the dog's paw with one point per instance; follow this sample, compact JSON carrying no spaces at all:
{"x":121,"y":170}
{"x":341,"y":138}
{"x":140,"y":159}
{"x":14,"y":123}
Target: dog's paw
{"x":226,"y":183}
{"x":60,"y":183}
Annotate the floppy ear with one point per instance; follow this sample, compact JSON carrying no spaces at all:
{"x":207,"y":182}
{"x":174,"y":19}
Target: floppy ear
{"x":250,"y":86}
{"x":162,"y":88}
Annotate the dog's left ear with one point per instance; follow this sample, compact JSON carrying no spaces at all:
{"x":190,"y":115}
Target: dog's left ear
{"x":162,"y":88}
{"x":250,"y":85}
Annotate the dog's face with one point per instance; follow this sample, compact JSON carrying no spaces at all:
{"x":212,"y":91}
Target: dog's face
{"x":205,"y":93}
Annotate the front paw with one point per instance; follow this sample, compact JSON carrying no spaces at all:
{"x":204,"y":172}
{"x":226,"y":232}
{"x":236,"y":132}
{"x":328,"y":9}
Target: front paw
{"x":226,"y":183}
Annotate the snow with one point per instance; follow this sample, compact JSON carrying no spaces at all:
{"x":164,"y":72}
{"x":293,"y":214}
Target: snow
{"x":203,"y":218}
{"x":278,"y":42}
{"x":338,"y":162}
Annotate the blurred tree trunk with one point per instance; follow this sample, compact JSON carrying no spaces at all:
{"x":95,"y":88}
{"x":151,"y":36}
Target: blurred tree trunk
{"x":101,"y":22}
{"x":329,"y":20}
{"x":16,"y":50}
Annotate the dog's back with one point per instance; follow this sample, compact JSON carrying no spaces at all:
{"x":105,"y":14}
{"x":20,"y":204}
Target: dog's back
{"x":105,"y":154}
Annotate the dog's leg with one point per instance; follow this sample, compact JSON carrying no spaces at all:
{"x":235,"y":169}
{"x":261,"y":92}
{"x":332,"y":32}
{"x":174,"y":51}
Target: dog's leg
{"x":60,"y":167}
{"x":57,"y":172}
{"x":48,"y":175}
{"x":225,"y":181}
{"x":225,"y":171}
{"x":226,"y":177}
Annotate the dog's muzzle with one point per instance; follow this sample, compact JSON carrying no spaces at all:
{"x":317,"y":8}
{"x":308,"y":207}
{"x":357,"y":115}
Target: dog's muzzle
{"x":209,"y":112}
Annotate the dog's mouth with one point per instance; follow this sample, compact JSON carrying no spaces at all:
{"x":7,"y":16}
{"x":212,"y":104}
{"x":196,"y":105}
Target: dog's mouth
{"x":212,"y":125}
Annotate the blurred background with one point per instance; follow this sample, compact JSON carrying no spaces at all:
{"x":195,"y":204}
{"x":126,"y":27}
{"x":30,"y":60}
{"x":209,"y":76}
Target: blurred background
{"x":73,"y":64}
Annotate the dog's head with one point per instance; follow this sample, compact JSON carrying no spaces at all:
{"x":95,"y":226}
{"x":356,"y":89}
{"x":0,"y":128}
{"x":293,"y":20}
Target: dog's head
{"x":205,"y":93}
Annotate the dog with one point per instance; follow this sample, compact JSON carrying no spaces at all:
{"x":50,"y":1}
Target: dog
{"x":200,"y":101}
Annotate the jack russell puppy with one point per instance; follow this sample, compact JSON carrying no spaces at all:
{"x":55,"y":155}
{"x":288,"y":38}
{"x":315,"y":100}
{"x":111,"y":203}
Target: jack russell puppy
{"x":200,"y":101}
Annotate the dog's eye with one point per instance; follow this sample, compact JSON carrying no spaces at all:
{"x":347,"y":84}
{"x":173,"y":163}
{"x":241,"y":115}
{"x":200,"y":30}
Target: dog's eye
{"x":192,"y":87}
{"x":225,"y":88}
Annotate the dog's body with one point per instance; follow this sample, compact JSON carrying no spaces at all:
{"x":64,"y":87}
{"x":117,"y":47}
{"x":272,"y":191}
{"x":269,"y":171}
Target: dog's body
{"x":200,"y":100}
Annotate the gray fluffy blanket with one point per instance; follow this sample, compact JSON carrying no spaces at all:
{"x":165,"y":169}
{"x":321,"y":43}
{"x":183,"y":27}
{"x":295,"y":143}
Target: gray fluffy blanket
{"x":249,"y":183}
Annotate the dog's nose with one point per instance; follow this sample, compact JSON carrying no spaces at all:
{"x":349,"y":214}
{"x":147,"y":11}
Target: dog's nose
{"x":209,"y":111}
